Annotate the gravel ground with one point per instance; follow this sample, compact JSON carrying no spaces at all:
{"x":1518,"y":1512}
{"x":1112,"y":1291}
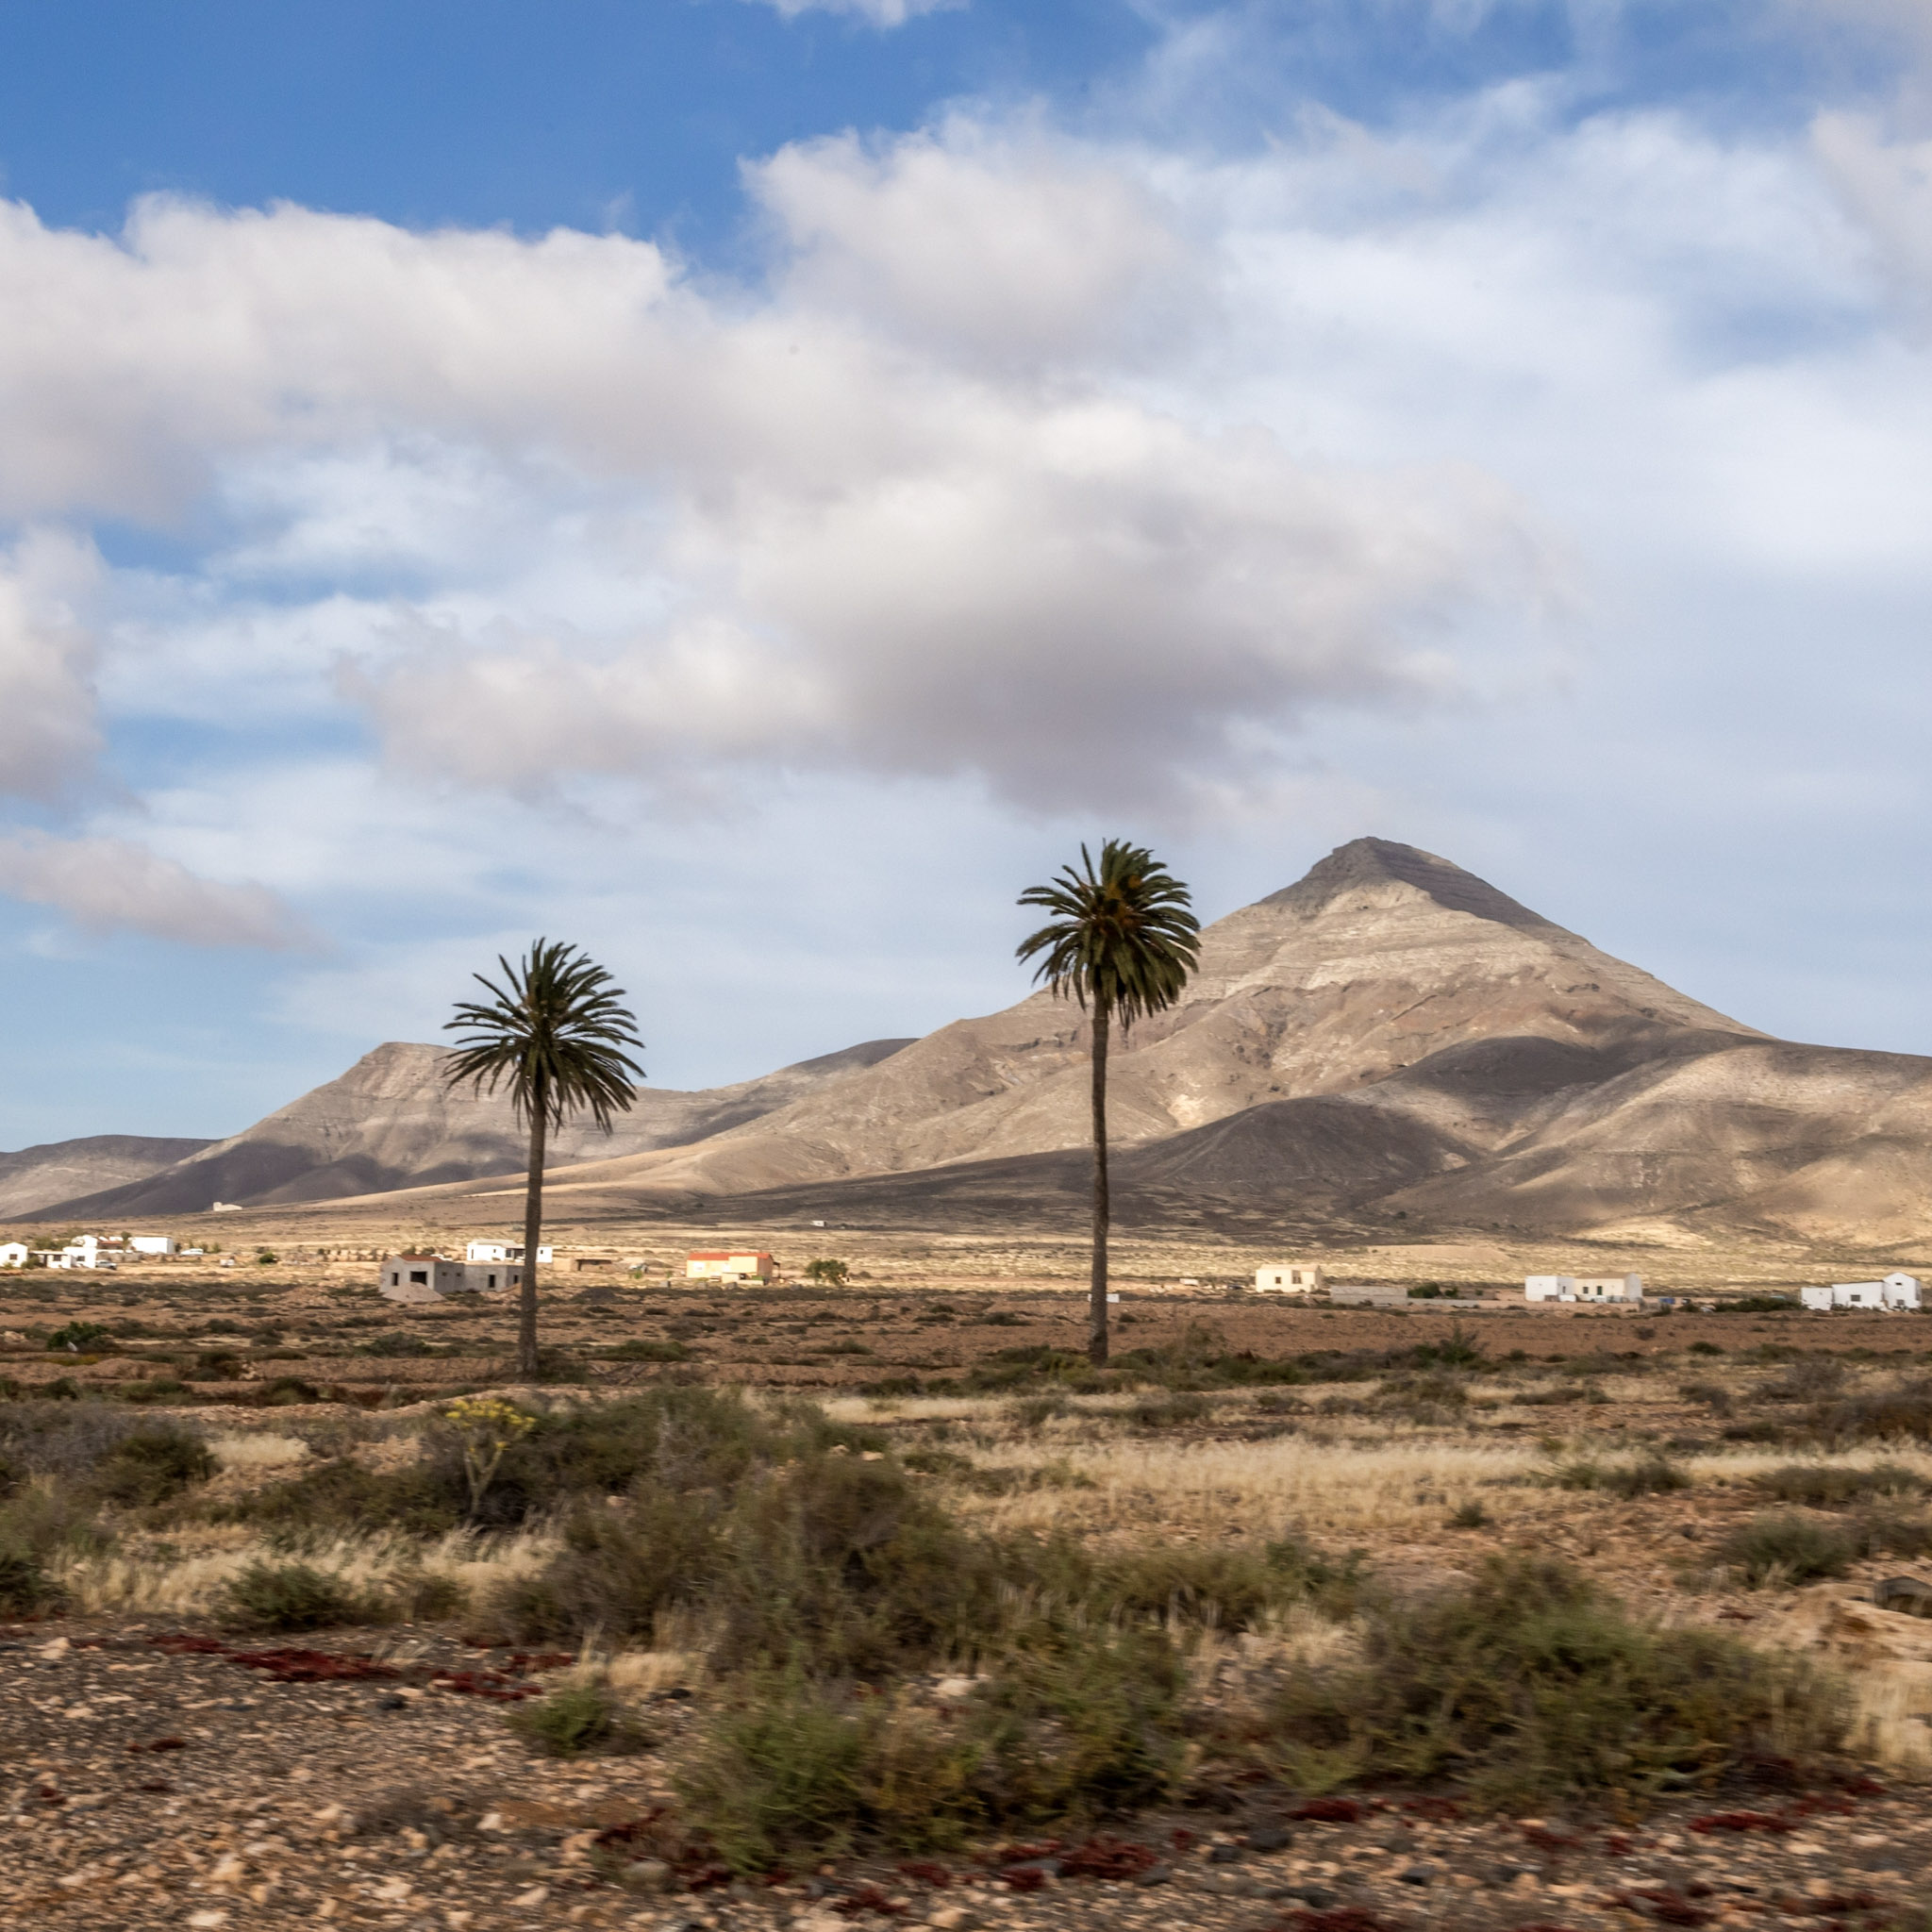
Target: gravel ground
{"x":157,"y":1778}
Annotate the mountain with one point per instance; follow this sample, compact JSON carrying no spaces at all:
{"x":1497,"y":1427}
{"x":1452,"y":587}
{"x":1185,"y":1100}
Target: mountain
{"x":38,"y":1177}
{"x":1389,"y":1041}
{"x":390,"y":1123}
{"x":1386,"y":972}
{"x":1389,"y":1038}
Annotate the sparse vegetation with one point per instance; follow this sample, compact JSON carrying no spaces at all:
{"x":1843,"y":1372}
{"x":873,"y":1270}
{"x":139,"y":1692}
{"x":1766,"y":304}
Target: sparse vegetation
{"x":577,"y":1718}
{"x":293,"y":1596}
{"x":1531,"y":1685}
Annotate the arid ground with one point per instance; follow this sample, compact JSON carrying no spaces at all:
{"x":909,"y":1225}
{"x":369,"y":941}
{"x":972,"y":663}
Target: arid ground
{"x":187,"y":1746}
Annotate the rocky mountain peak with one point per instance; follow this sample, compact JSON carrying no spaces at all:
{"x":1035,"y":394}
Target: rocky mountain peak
{"x":1373,"y":864}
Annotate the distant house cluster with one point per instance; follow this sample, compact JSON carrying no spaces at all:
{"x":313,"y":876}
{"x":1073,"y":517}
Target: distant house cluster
{"x":88,"y":1251}
{"x":1896,"y":1291}
{"x":1624,"y":1288}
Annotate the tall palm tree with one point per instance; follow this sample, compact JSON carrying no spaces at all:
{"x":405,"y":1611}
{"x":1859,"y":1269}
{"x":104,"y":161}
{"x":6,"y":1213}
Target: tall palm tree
{"x":1122,"y":942}
{"x":555,"y":1031}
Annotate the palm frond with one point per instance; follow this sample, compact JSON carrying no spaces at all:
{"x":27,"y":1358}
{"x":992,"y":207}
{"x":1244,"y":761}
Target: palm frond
{"x":1123,"y":937}
{"x":555,"y":1031}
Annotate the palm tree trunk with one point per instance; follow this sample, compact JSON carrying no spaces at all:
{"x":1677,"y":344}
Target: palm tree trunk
{"x":533,"y":1235}
{"x":1096,"y":1326}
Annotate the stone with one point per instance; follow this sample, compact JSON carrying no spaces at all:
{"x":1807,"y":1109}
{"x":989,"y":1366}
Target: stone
{"x":949,"y":1918}
{"x":1224,"y":1854}
{"x":1154,"y":1875}
{"x":1417,"y":1874}
{"x":1909,"y":1594}
{"x":1267,"y":1837}
{"x":647,"y":1875}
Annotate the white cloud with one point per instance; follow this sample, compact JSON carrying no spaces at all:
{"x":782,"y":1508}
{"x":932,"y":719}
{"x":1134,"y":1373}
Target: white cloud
{"x":107,"y":885}
{"x":915,"y":509}
{"x":1887,"y":187}
{"x":48,"y":734}
{"x":1008,"y":248}
{"x":879,"y":13}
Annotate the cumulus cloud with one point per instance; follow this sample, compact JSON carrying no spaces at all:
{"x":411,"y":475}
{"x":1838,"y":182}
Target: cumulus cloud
{"x":107,"y":885}
{"x":913,"y":509}
{"x":50,"y":736}
{"x":1009,"y":250}
{"x":1885,"y":185}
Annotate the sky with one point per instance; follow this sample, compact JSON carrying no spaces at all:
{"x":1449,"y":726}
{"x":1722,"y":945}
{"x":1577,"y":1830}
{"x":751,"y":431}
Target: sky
{"x":748,"y":486}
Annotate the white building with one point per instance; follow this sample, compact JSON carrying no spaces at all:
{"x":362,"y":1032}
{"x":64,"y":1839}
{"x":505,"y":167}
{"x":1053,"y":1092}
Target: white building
{"x":85,"y":1251}
{"x":503,"y":1251}
{"x":152,"y":1243}
{"x":429,"y":1277}
{"x":1898,"y":1291}
{"x":1290,"y":1277}
{"x":13,"y":1254}
{"x":1627,"y":1289}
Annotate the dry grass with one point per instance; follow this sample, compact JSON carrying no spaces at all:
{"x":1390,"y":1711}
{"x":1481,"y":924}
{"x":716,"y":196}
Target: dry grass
{"x":249,"y":1454}
{"x":178,"y":1582}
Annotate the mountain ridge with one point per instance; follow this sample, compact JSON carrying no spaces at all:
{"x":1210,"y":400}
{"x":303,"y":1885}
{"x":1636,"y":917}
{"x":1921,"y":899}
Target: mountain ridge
{"x":1389,"y":1037}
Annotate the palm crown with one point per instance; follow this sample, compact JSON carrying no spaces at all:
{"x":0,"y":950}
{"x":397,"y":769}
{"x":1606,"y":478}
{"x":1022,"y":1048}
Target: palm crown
{"x":556,"y":1030}
{"x":1124,"y":939}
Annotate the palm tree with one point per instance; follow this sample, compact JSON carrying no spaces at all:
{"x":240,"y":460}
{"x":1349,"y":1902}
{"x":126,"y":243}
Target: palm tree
{"x":1121,"y":941}
{"x":555,"y":1032}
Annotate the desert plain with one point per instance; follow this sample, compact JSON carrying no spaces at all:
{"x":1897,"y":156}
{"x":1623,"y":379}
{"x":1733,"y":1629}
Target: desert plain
{"x":177,"y":1756}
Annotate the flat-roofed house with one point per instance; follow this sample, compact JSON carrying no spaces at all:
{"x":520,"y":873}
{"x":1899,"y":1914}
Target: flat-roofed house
{"x":416,"y":1276}
{"x":1896,"y":1291}
{"x":14,"y":1253}
{"x":1627,"y":1289}
{"x":728,"y":1264}
{"x":1290,"y":1278}
{"x":503,"y":1251}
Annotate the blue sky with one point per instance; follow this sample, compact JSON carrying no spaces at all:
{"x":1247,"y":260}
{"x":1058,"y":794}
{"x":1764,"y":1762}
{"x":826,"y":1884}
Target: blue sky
{"x":749,"y":488}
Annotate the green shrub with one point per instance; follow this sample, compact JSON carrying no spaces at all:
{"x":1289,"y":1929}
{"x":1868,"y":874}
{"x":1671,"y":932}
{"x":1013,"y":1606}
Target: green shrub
{"x":1652,"y":1475}
{"x":1470,"y":1515}
{"x":395,"y":1344}
{"x":1033,"y":1412}
{"x":292,"y":1596}
{"x":641,"y":1349}
{"x":26,"y":1588}
{"x":421,"y":1597}
{"x":1703,"y":1348}
{"x":1879,"y":1416}
{"x":1531,"y":1686}
{"x":81,"y":1337}
{"x":1169,"y":1412}
{"x":162,"y":1392}
{"x":1832,"y":1485}
{"x":575,"y":1719}
{"x":1787,"y":1549}
{"x":152,"y":1464}
{"x":288,"y":1391}
{"x":1078,"y":1723}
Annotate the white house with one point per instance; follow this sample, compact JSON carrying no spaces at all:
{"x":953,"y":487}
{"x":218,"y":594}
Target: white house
{"x":1290,"y":1277}
{"x":429,"y":1277}
{"x":503,"y":1251}
{"x":152,"y":1243}
{"x":13,"y":1254}
{"x":85,"y":1251}
{"x":1898,"y":1291}
{"x":1627,"y":1289}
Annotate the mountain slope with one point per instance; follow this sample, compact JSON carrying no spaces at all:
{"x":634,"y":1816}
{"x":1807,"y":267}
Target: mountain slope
{"x":389,"y":1123}
{"x":38,"y":1177}
{"x":1382,"y":961}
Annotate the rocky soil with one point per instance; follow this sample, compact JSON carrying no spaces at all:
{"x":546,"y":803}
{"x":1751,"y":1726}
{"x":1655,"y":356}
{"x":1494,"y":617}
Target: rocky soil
{"x":161,"y":1779}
